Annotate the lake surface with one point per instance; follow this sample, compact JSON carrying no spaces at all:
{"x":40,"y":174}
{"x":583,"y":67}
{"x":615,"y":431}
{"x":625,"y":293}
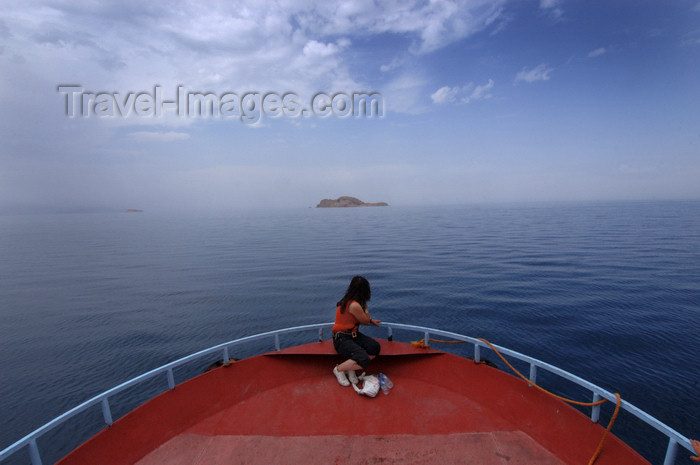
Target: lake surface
{"x":609,"y":291}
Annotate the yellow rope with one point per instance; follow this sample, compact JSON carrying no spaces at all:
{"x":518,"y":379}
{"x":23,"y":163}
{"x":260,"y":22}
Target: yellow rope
{"x":422,"y":344}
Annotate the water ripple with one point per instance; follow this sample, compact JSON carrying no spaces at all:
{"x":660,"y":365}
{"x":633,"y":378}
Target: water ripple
{"x":608,"y":291}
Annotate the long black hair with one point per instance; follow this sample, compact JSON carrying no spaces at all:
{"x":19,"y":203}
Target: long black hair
{"x":358,"y":290}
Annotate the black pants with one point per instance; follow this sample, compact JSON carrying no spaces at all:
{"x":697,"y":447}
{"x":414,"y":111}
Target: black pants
{"x":358,"y":348}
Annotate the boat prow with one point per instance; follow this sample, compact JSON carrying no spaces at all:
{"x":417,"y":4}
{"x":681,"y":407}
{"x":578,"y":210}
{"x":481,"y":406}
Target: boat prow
{"x":287,"y":407}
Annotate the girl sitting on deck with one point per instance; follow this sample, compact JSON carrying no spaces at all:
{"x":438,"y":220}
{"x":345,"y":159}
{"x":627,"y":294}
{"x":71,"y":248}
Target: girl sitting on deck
{"x":357,"y":348}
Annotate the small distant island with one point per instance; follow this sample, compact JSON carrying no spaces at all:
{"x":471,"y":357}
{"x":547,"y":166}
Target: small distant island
{"x":134,"y":210}
{"x":346,"y":201}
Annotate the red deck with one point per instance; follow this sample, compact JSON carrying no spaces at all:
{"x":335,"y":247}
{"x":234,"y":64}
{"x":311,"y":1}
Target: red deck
{"x":287,"y":407}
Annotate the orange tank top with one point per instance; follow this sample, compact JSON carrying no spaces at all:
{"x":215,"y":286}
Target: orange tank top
{"x":345,"y":321}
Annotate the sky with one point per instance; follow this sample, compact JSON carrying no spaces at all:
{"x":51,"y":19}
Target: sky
{"x":474,"y":101}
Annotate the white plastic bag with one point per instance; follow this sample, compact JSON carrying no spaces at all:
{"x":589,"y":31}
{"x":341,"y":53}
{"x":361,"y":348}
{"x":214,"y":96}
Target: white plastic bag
{"x":370,"y":385}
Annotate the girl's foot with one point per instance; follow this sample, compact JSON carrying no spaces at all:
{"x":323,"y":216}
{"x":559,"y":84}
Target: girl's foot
{"x":340,"y":376}
{"x":352,"y":376}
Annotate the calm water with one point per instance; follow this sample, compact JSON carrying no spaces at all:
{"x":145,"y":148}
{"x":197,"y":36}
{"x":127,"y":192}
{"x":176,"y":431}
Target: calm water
{"x":608,"y":291}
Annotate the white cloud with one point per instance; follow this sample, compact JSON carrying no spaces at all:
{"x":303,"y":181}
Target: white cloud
{"x":504,"y":20}
{"x":314,"y":48}
{"x":691,"y":38}
{"x":597,"y":52}
{"x":480,"y":92}
{"x":552,"y":8}
{"x":395,"y":63}
{"x":405,"y":93}
{"x":468,"y":93}
{"x":444,"y":95}
{"x":294,"y":46}
{"x":430,"y":25}
{"x":539,"y":73}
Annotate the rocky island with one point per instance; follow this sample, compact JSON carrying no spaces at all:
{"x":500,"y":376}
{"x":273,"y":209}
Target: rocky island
{"x":346,"y":201}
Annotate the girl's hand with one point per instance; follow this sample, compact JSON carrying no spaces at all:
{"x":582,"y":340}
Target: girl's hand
{"x":375,"y":322}
{"x":696,"y":445}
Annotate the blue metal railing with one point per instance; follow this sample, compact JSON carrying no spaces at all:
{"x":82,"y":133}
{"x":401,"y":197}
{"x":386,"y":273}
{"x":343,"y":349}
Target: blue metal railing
{"x":30,"y":441}
{"x":674,"y":437}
